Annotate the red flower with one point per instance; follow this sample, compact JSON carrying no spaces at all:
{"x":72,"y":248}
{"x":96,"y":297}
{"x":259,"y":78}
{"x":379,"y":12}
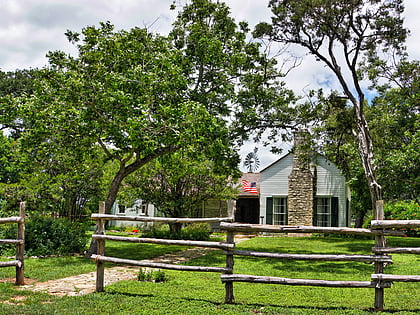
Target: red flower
{"x":135,"y":231}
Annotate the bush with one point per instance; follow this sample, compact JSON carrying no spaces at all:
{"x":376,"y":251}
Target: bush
{"x":195,"y":232}
{"x":49,"y":236}
{"x":8,"y":231}
{"x":155,"y":276}
{"x":403,"y":210}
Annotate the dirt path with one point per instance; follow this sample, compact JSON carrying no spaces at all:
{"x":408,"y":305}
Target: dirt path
{"x":85,"y":283}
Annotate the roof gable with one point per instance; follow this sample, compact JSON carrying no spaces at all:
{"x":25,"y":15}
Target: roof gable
{"x":317,"y":159}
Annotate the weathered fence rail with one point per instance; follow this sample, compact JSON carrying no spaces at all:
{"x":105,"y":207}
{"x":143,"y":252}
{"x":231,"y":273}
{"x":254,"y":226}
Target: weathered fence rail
{"x":19,"y":242}
{"x":380,"y":229}
{"x":232,"y":228}
{"x":314,"y":257}
{"x":392,"y":224}
{"x":157,"y":265}
{"x":100,"y":237}
{"x":301,"y":282}
{"x":113,"y":217}
{"x":379,"y":281}
{"x":220,"y":245}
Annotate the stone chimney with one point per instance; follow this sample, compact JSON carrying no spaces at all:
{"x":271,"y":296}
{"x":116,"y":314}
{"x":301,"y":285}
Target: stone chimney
{"x":300,"y":193}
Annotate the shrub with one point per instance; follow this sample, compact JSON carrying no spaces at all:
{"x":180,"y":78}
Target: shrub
{"x":195,"y":231}
{"x":160,"y":276}
{"x":144,"y":275}
{"x":403,"y":210}
{"x":8,"y":231}
{"x":155,"y":276}
{"x":49,"y":236}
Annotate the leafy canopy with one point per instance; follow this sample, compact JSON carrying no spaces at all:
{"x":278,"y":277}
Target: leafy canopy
{"x":124,"y":92}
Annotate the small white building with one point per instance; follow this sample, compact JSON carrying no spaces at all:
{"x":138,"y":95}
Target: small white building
{"x":209,"y":209}
{"x":139,"y":208}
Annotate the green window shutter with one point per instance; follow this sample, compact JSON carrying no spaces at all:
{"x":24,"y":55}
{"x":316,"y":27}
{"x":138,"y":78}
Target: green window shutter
{"x":315,"y":213}
{"x":269,"y":210}
{"x":334,"y":211}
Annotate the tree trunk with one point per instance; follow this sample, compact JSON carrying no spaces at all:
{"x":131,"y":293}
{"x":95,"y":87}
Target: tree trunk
{"x":114,"y":188}
{"x":175,"y":228}
{"x":366,"y":154}
{"x":359,"y":219}
{"x":123,"y":172}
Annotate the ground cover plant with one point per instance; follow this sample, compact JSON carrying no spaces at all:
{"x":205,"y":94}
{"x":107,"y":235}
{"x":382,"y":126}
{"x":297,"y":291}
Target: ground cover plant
{"x":203,"y":293}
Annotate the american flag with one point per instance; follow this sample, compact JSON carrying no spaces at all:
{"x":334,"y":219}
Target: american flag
{"x":249,"y":187}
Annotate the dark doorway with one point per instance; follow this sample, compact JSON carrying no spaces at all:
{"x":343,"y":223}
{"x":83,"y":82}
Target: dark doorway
{"x":247,"y":210}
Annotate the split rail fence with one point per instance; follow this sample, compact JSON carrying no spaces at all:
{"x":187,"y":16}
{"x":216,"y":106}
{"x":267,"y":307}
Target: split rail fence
{"x":19,"y":242}
{"x":100,"y":237}
{"x":380,"y":229}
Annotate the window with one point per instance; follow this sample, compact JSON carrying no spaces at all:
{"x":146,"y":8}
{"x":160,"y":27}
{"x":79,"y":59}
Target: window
{"x":323,"y":211}
{"x":121,"y":209}
{"x":280,"y":210}
{"x":141,"y":207}
{"x":326,"y":211}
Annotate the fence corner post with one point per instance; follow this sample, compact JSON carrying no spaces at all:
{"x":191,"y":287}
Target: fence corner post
{"x":380,"y":241}
{"x":20,"y":250}
{"x":229,"y":297}
{"x":100,"y":250}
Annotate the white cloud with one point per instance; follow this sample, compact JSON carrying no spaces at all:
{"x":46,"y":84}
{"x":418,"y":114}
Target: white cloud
{"x":24,"y":22}
{"x":31,"y":28}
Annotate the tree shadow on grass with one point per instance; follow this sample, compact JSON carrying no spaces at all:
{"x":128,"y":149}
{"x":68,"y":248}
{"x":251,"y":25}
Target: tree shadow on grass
{"x":128,"y":294}
{"x":254,"y":307}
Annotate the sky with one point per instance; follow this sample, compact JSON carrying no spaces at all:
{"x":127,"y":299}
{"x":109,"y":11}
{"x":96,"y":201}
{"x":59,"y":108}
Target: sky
{"x":31,"y":28}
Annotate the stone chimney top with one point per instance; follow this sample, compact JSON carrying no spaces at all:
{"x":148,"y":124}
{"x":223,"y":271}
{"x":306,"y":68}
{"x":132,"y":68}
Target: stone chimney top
{"x":301,"y":148}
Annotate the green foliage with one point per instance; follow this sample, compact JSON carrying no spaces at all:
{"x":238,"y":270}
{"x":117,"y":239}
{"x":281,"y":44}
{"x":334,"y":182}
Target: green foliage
{"x":130,"y":96}
{"x":125,"y":228}
{"x":144,"y":275}
{"x":228,"y":72}
{"x":157,"y":276}
{"x":395,"y":122}
{"x":19,"y":83}
{"x":16,"y":83}
{"x":403,"y":210}
{"x":178,"y":183}
{"x":50,"y":236}
{"x":195,"y":231}
{"x":127,"y":93}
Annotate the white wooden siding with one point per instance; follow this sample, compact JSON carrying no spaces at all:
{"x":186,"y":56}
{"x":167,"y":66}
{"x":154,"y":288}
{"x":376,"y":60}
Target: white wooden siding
{"x":133,"y":211}
{"x":330,"y":183}
{"x":274,"y":181}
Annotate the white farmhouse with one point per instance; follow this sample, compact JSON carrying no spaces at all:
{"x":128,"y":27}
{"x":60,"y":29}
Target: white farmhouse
{"x":298,"y":189}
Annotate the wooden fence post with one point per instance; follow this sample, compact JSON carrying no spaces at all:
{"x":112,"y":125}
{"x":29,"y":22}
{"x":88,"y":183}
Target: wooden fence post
{"x":20,"y":249}
{"x":380,"y":242}
{"x":100,"y":229}
{"x":229,"y":297}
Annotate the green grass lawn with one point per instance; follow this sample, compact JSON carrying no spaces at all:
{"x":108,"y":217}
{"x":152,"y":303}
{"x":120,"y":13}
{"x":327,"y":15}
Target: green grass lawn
{"x":203,"y":293}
